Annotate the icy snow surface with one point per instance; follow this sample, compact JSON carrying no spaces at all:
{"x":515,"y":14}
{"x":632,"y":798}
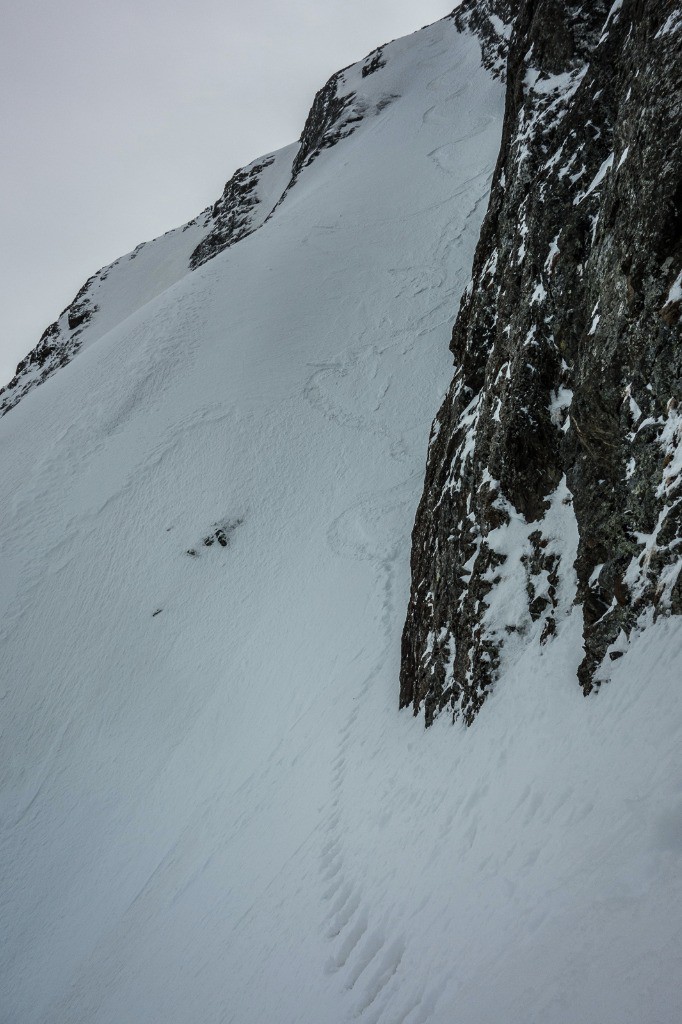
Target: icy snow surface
{"x":211,"y":809}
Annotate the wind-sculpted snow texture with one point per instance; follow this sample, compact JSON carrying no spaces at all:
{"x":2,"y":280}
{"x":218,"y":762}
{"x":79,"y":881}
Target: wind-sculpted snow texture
{"x":562,"y":425}
{"x":211,"y":808}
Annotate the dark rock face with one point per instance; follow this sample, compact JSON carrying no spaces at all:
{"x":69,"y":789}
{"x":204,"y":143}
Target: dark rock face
{"x":231,"y":215}
{"x":564,"y":415}
{"x":57,"y":346}
{"x":333,"y":116}
{"x":373,"y":62}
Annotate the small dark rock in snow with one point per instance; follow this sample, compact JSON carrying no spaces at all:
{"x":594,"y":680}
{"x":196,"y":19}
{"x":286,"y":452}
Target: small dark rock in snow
{"x":221,"y":532}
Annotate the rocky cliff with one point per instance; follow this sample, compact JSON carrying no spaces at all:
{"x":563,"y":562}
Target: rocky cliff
{"x":553,"y":476}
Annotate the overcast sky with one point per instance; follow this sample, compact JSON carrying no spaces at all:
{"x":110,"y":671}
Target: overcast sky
{"x":123,"y":119}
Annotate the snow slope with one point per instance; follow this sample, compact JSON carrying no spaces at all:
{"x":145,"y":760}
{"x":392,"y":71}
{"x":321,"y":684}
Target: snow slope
{"x":118,"y":290}
{"x":211,"y":808}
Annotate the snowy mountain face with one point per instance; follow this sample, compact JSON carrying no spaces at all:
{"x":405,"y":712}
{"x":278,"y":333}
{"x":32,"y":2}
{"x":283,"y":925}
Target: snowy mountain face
{"x":561,"y":426}
{"x":127,"y":284}
{"x":248,"y":200}
{"x":211,"y":808}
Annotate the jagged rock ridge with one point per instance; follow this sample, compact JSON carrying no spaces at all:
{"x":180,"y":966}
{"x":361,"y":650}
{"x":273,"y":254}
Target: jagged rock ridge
{"x":232,"y":214}
{"x":558,"y":447}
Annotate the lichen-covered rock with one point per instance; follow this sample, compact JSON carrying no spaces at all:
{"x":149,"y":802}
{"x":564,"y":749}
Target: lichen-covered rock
{"x":564,"y":411}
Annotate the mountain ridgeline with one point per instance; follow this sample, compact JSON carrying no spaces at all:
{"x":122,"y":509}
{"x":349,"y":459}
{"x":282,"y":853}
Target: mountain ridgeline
{"x":249,"y":199}
{"x":554,"y":471}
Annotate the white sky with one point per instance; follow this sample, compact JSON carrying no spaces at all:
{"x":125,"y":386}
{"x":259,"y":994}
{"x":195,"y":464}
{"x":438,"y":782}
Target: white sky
{"x":120,"y":120}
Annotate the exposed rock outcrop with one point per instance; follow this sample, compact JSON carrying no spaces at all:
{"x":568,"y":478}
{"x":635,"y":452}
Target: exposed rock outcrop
{"x":491,"y":21}
{"x":57,"y":346}
{"x":564,"y":413}
{"x":232,"y":214}
{"x":331,"y":118}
